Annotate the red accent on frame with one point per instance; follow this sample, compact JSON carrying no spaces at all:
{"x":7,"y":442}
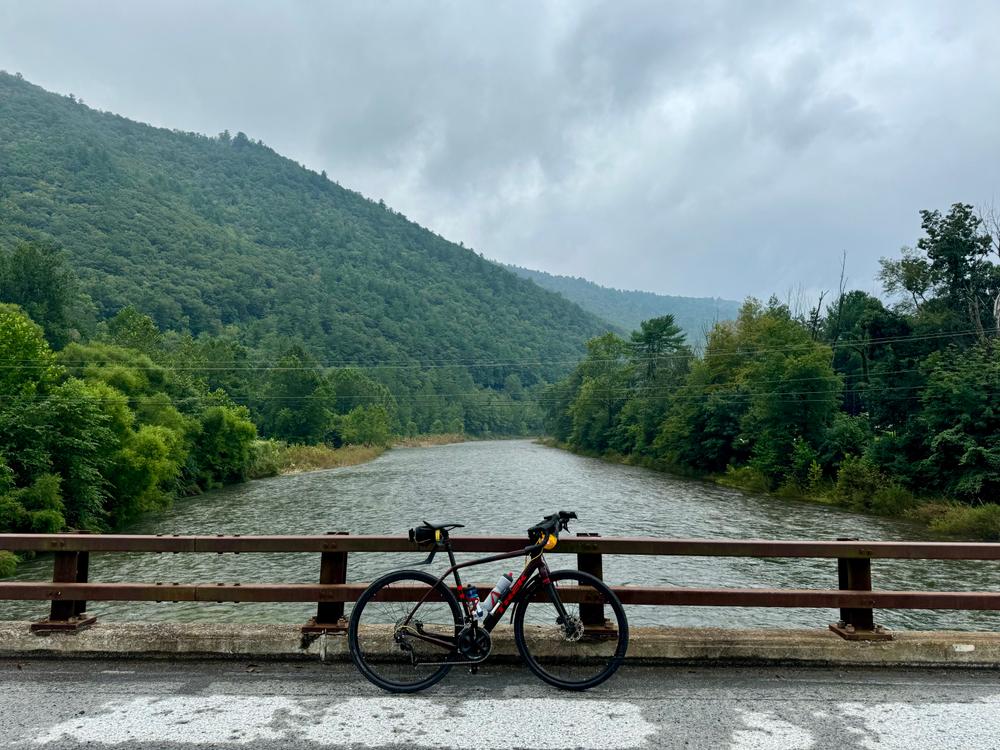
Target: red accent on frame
{"x":514,"y":589}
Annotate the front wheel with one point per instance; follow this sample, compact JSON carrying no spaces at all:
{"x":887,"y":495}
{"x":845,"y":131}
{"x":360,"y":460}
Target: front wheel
{"x":398,"y":652}
{"x":573,"y":652}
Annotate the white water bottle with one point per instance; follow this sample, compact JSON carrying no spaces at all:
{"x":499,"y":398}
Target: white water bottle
{"x":488,"y":603}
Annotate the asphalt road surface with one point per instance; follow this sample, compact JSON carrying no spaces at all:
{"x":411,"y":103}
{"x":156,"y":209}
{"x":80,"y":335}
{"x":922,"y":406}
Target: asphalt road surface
{"x":226,"y":704}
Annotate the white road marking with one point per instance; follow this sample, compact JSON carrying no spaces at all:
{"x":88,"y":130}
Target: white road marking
{"x":208,"y":720}
{"x":545,"y":724}
{"x":928,"y":725}
{"x":767,"y":732}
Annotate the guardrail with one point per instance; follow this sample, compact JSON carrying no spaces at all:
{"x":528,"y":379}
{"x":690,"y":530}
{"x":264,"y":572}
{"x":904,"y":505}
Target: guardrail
{"x":70,"y":588}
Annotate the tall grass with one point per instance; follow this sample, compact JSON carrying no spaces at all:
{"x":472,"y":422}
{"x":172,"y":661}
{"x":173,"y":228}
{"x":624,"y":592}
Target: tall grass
{"x":424,"y":441}
{"x":273,"y":457}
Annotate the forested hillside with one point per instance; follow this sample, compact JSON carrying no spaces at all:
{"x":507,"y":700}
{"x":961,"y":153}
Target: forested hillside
{"x":223,"y":237}
{"x":891,"y":407}
{"x":627,"y":309}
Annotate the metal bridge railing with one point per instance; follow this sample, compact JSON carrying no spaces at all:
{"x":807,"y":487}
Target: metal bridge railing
{"x":70,"y":588}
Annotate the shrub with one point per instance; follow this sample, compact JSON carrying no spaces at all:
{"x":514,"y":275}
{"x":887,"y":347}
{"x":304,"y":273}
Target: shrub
{"x":857,"y":482}
{"x":814,"y":478}
{"x":746,"y":478}
{"x":978,"y":522}
{"x":44,"y":494}
{"x":928,"y":513}
{"x":893,"y":500}
{"x":802,"y":460}
{"x":267,"y":459}
{"x":13,"y":516}
{"x":365,"y":425}
{"x":846,"y":436}
{"x":790,"y":488}
{"x":46,"y":522}
{"x":8,"y":561}
{"x":224,"y":447}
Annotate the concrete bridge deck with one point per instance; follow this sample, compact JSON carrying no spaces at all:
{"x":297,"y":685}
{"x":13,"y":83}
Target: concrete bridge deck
{"x":129,"y":704}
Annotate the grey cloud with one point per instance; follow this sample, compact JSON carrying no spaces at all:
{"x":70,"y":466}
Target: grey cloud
{"x":721,"y":148}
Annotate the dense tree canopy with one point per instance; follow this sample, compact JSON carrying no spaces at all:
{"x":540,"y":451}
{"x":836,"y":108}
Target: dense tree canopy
{"x":222,"y":237}
{"x":883,"y":403}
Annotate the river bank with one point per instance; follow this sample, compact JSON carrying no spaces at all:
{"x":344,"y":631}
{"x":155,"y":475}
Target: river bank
{"x":276,"y":458}
{"x":428,"y":441}
{"x":940,"y":516}
{"x":302,"y":458}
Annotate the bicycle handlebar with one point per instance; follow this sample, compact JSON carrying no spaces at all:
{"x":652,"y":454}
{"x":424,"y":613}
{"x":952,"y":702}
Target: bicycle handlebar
{"x":552,"y":524}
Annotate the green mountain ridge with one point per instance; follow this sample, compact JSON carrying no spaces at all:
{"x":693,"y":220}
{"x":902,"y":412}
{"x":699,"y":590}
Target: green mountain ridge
{"x":626,"y":309}
{"x":224,"y":236}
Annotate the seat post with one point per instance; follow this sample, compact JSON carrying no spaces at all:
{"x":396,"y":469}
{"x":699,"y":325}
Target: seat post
{"x":452,"y":561}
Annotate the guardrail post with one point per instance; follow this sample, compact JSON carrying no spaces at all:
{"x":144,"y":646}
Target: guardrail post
{"x":66,"y":614}
{"x":330,"y":615}
{"x":82,"y":574}
{"x":857,"y":623}
{"x":593,"y":563}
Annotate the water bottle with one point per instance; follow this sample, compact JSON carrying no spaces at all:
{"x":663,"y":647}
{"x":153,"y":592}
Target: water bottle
{"x":472,"y":595}
{"x":492,"y":599}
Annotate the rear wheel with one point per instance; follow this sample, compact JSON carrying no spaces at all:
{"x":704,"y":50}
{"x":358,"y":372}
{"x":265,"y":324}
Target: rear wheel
{"x":565,"y":652}
{"x":385,"y":649}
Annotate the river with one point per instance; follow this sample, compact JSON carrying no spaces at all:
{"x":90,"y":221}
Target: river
{"x":504,"y":487}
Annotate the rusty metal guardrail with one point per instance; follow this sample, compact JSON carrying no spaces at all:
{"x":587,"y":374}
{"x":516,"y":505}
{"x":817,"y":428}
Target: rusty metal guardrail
{"x":70,"y":588}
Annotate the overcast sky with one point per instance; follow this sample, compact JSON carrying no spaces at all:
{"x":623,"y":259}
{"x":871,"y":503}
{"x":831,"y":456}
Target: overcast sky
{"x":716,"y":149}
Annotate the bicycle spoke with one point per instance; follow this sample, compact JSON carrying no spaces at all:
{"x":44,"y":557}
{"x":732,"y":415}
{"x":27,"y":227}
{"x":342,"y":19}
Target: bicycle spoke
{"x":575,"y":650}
{"x":399,"y":649}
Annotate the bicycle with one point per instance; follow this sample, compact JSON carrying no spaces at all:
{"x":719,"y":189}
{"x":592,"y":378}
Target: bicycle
{"x":404,"y":647}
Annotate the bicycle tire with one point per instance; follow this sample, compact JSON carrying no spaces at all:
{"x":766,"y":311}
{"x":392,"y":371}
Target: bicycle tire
{"x":372,"y":664}
{"x":545,"y":651}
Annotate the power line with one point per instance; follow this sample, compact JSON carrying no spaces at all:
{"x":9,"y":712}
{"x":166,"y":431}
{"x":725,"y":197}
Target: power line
{"x":442,"y":364}
{"x":718,"y":392}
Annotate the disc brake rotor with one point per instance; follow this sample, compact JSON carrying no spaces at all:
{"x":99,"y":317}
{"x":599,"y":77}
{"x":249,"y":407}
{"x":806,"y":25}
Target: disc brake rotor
{"x":572,"y":629}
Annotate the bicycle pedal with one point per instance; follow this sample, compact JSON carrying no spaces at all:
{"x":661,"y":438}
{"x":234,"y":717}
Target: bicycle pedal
{"x":474,"y":669}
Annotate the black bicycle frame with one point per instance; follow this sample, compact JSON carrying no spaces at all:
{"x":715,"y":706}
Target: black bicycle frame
{"x":536,"y":563}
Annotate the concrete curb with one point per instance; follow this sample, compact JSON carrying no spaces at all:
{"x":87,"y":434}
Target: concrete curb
{"x":650,"y":645}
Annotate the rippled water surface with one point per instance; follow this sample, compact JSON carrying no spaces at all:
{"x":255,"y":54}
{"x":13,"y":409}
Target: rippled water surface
{"x":504,"y":487}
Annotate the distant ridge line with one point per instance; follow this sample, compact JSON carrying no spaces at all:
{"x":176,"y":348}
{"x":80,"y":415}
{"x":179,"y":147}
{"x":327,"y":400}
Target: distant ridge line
{"x":627,"y":308}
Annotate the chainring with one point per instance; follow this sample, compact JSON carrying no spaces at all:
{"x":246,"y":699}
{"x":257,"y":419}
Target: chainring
{"x":474,"y":643}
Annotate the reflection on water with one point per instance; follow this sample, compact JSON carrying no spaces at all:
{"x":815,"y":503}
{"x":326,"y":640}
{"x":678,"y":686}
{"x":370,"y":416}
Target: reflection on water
{"x":504,"y":487}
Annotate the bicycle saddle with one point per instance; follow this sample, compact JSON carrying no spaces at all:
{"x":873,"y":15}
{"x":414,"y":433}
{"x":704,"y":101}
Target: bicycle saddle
{"x":444,"y":526}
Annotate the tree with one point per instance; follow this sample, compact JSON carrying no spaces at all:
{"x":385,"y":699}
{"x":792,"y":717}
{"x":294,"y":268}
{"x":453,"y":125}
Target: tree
{"x":28,"y":363}
{"x":869,"y":350}
{"x":364,"y":425}
{"x":224,"y":447}
{"x":36,"y":277}
{"x":793,"y":391}
{"x":951,"y":261}
{"x":910,"y":274}
{"x":656,"y":342}
{"x":131,"y":329}
{"x":298,"y":402}
{"x":660,"y":359}
{"x":960,"y":424}
{"x":145,"y":472}
{"x":602,"y":394}
{"x":763,"y":394}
